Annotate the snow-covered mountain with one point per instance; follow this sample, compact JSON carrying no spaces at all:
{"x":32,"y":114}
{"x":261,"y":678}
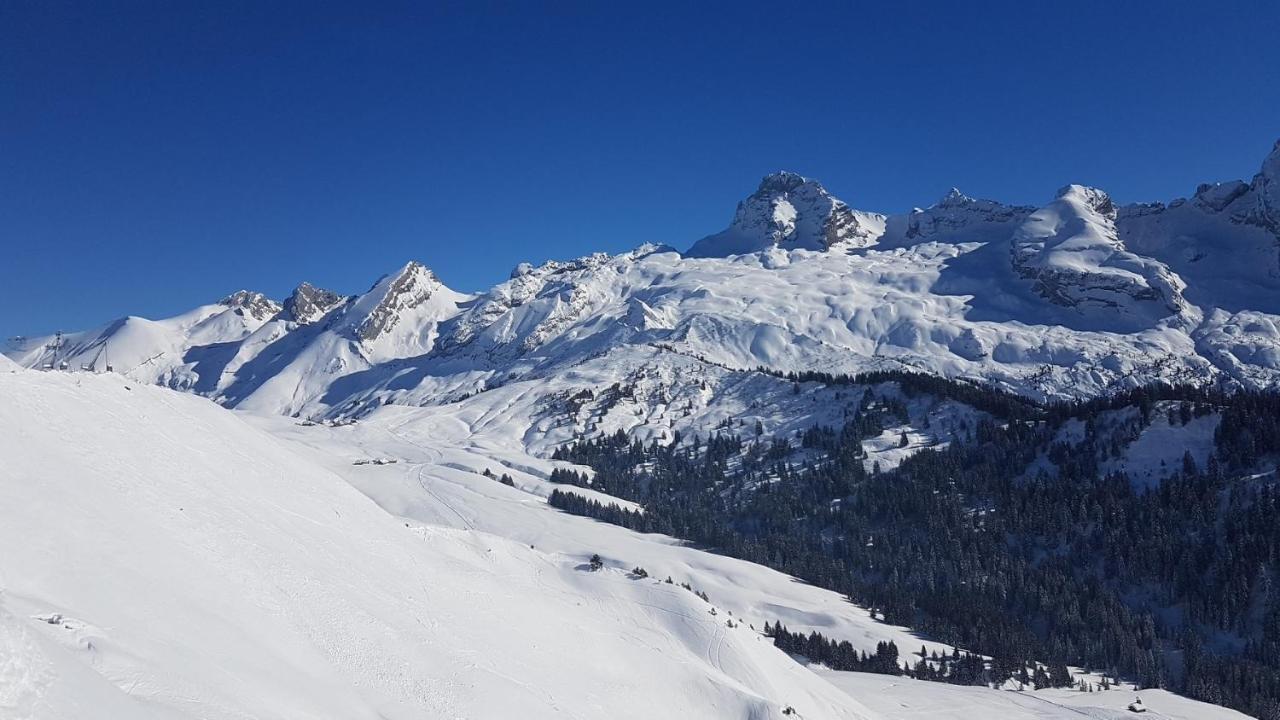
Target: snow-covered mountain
{"x":172,"y":561}
{"x":179,"y":560}
{"x":1071,"y":251}
{"x":790,"y":212}
{"x":1076,"y":298}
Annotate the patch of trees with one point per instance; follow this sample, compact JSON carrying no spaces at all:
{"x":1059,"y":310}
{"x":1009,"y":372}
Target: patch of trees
{"x":1015,"y":543}
{"x":995,"y":401}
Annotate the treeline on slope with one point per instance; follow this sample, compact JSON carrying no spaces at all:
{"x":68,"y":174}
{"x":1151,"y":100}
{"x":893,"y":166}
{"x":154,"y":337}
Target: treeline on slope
{"x":998,"y":402}
{"x":958,"y":668}
{"x":1171,"y":586}
{"x":981,"y":396}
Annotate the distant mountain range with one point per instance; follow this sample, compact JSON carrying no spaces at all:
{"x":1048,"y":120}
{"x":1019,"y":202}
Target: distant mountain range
{"x":1077,"y":298}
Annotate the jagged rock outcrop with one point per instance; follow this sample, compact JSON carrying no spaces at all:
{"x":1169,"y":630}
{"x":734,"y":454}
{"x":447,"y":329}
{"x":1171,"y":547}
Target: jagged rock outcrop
{"x":1266,"y":190}
{"x":955,"y":218}
{"x":791,"y":212}
{"x":377,"y":312}
{"x":309,"y":303}
{"x":254,"y":304}
{"x":1077,"y":298}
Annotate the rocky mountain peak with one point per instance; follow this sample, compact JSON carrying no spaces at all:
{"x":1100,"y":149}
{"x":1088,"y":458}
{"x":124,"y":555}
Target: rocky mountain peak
{"x":251,"y":303}
{"x":1217,"y":196}
{"x":309,"y":303}
{"x":783,"y":181}
{"x":380,"y":309}
{"x":1267,"y":184}
{"x":953,"y":198}
{"x":1253,"y":203}
{"x":1096,"y":200}
{"x":792,"y":212}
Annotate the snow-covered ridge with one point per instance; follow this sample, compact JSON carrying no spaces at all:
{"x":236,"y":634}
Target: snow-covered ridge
{"x":309,"y":303}
{"x":193,"y":567}
{"x":790,"y":212}
{"x":1075,"y":298}
{"x":1070,"y":249}
{"x":954,"y":217}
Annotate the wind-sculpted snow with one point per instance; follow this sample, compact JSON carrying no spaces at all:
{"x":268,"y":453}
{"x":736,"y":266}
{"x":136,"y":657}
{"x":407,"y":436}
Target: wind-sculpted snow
{"x":1070,"y":250}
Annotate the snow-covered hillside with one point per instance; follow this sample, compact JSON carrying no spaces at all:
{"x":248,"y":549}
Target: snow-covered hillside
{"x":167,"y":560}
{"x":174,"y":560}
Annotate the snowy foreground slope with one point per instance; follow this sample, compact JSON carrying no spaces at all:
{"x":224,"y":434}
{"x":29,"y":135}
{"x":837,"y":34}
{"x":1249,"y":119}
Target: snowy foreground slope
{"x":165,"y":560}
{"x":169,"y":560}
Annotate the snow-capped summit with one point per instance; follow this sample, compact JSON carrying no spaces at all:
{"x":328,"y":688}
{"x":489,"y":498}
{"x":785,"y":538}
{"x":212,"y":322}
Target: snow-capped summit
{"x":1076,"y":298}
{"x":953,"y":198}
{"x":1224,"y":242}
{"x":956,"y":217}
{"x":1255,"y":203}
{"x":1072,"y":252}
{"x":782,"y":182}
{"x":1096,"y":200}
{"x":309,"y":303}
{"x":256,"y":304}
{"x":790,"y":212}
{"x":378,"y":311}
{"x":399,"y":315}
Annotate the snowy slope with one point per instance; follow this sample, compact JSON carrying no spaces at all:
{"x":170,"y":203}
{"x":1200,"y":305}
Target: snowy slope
{"x":442,"y":454}
{"x":175,"y":562}
{"x":151,"y":350}
{"x":895,"y":698}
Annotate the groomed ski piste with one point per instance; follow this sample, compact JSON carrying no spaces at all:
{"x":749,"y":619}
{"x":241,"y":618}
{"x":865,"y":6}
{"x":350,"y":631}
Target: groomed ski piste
{"x":168,"y":558}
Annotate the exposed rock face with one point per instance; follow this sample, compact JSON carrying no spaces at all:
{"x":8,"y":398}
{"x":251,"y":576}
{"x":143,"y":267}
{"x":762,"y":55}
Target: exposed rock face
{"x":253,"y":304}
{"x":1266,"y":188}
{"x":309,"y":303}
{"x":791,"y":212}
{"x":392,"y":296}
{"x":956,"y":217}
{"x":540,"y":302}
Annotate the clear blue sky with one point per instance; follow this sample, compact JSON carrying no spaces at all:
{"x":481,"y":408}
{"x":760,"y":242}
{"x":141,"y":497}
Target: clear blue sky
{"x":155,"y":156}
